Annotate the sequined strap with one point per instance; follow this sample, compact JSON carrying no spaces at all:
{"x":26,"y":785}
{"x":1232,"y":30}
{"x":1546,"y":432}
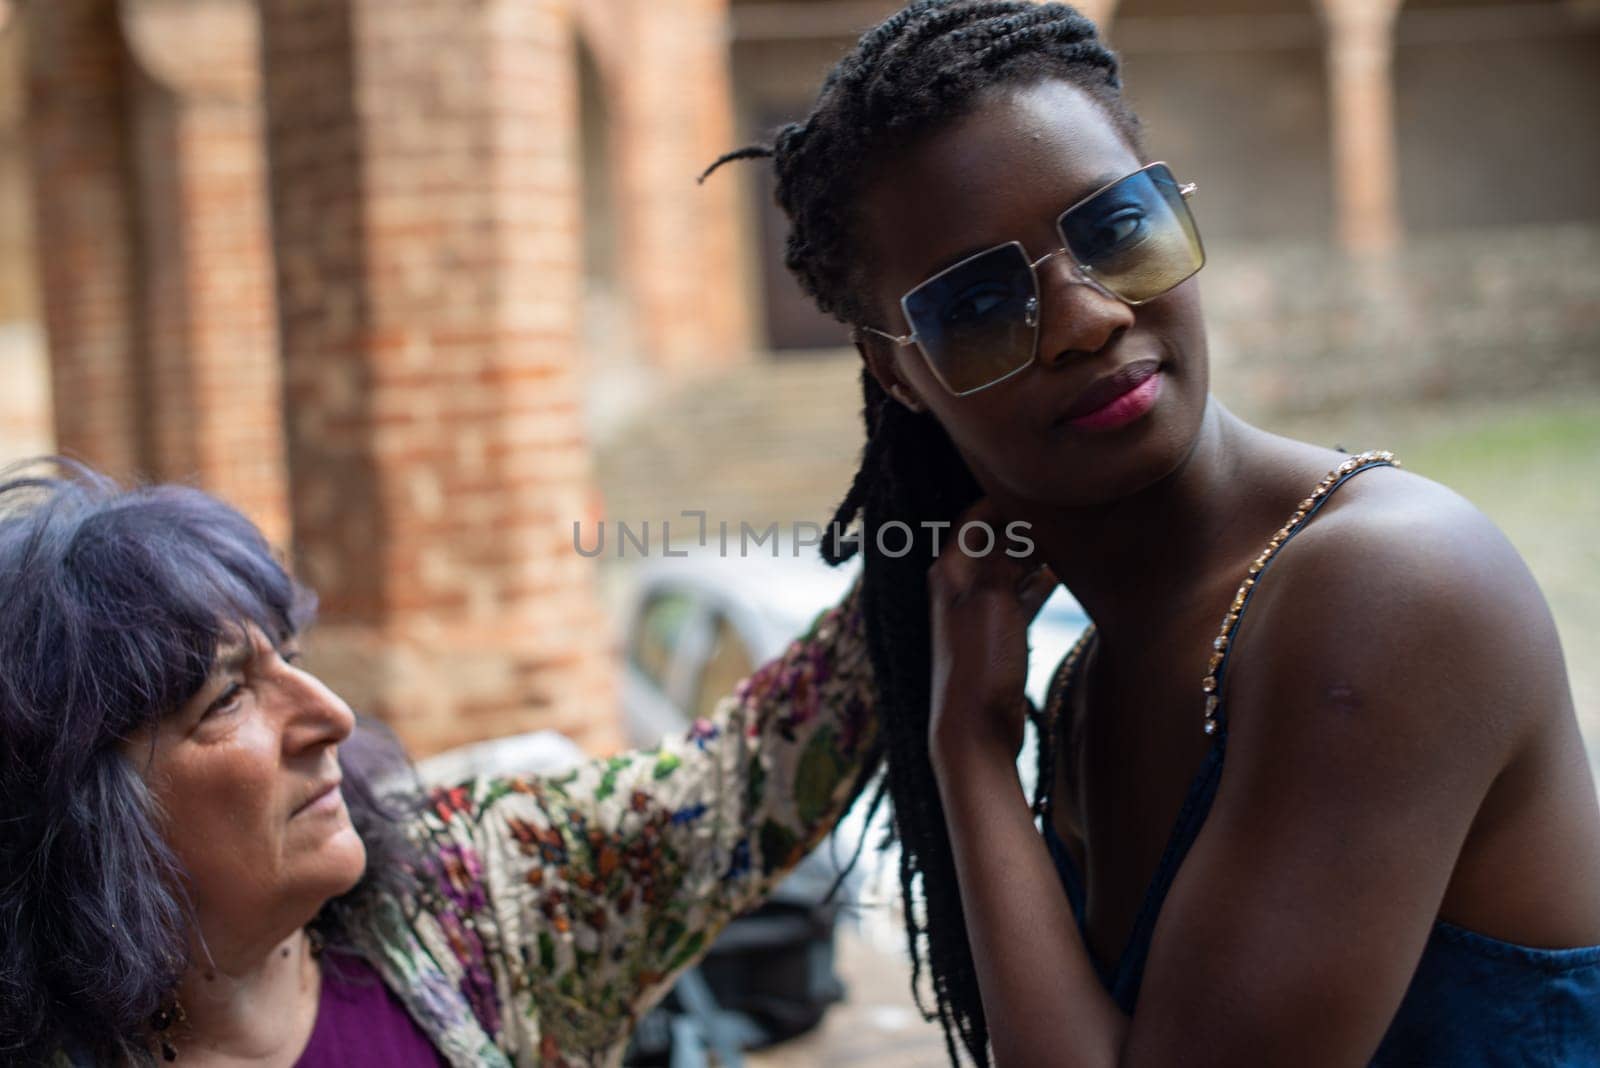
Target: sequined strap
{"x":1054,"y":714}
{"x":1061,"y":685}
{"x":1211,"y":685}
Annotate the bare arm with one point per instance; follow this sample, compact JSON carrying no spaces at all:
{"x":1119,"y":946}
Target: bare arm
{"x":1040,"y":993}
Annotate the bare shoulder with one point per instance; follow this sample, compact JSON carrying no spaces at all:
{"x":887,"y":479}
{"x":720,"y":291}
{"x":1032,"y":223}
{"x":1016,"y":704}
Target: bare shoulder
{"x":1402,"y":598}
{"x":1413,"y":545}
{"x":1411,"y":528}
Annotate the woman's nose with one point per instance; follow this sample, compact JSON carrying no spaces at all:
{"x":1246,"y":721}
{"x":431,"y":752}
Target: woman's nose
{"x":315,"y":714}
{"x":1076,"y":316}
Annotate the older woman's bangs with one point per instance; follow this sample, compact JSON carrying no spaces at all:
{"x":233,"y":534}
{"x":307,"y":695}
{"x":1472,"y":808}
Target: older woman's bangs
{"x":128,"y":595}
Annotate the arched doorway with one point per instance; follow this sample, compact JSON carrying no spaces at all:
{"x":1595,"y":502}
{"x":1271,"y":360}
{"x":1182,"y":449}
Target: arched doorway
{"x":617,"y":374}
{"x":780,"y":54}
{"x":605,"y":309}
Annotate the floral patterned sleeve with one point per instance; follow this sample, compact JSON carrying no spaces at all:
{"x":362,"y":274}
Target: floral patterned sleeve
{"x":579,"y":897}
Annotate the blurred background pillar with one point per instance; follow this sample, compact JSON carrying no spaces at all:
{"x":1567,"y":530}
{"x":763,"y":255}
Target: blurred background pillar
{"x":25,"y":423}
{"x":678,"y":243}
{"x":424,"y":175}
{"x":79,"y":154}
{"x":1360,"y":66}
{"x":209,"y":322}
{"x":153,"y":246}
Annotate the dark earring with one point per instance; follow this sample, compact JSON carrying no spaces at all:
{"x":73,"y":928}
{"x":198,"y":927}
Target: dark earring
{"x":167,"y":1015}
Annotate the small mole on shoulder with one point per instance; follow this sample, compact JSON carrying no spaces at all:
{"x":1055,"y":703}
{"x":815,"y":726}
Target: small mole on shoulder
{"x":1344,"y":698}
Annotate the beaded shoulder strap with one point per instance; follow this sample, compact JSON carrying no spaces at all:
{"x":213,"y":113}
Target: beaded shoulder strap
{"x":1051,"y":726}
{"x":1211,"y":685}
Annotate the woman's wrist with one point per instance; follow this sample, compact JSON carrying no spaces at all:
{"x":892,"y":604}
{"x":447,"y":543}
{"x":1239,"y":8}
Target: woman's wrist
{"x":965,"y":756}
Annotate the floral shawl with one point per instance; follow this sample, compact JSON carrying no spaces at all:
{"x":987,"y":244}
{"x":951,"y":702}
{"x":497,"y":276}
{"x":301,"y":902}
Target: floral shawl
{"x":563,"y":907}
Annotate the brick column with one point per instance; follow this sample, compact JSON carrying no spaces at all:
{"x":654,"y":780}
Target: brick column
{"x":79,"y":158}
{"x":1360,"y":68}
{"x":679,"y":242}
{"x":425,"y":202}
{"x":210,"y":326}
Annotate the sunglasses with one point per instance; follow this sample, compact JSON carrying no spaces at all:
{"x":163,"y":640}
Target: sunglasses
{"x":977,"y":323}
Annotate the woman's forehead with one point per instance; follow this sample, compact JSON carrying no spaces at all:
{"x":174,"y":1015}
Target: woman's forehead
{"x":241,"y":642}
{"x":1002,"y":172}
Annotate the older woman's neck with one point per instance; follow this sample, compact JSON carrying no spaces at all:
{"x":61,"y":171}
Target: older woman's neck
{"x":256,"y":1009}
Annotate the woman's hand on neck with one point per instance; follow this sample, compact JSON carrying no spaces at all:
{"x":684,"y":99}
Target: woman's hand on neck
{"x":1130,"y":561}
{"x":249,"y":1008}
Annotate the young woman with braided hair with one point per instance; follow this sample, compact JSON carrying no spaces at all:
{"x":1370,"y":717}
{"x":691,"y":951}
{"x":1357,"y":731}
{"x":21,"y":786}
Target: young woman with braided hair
{"x":1401,"y":865}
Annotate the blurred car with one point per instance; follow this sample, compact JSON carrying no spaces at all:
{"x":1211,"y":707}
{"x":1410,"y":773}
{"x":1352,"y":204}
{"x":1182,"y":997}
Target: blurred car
{"x":701,"y":623}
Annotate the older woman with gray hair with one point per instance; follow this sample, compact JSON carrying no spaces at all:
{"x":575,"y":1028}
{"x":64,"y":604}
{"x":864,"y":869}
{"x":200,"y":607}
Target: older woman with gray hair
{"x":200,"y":862}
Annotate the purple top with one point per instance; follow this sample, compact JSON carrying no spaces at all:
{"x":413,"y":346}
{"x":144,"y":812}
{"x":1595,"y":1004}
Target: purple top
{"x":360,"y":1022}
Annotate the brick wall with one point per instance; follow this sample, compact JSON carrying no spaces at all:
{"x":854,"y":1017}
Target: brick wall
{"x":411,"y":314}
{"x":18,"y":282}
{"x":213,"y":404}
{"x":84,"y":230}
{"x":1493,"y":312}
{"x":152,"y":244}
{"x":681,"y":244}
{"x":425,"y":201}
{"x":25,"y":428}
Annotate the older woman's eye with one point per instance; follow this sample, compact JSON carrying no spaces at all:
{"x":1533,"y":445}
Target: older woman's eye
{"x":226,"y":702}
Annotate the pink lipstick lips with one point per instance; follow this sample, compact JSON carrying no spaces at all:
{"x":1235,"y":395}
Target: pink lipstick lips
{"x":1117,"y":399}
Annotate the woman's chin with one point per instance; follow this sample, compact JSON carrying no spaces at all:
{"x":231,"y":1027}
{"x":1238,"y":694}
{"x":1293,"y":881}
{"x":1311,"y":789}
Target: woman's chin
{"x":353,"y":857}
{"x":337,"y":865}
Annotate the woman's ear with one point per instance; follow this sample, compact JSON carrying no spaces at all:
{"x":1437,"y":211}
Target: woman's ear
{"x":879,"y":358}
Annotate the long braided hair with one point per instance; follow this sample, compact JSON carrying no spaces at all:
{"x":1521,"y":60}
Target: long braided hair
{"x":915,"y":72}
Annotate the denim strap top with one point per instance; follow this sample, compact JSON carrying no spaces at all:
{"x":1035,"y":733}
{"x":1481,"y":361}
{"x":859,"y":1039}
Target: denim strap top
{"x":1474,"y":1001}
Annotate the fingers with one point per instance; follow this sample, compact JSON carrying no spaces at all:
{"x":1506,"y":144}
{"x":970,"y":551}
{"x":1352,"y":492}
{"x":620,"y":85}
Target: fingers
{"x":980,"y":553}
{"x":1035,"y":589}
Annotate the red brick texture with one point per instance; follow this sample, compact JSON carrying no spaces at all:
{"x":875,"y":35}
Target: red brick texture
{"x":215,"y":397}
{"x":80,"y":158}
{"x":680,"y":255}
{"x":153,"y":244}
{"x":425,"y":199}
{"x":323,"y":258}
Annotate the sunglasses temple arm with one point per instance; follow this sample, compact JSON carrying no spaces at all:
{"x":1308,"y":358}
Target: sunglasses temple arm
{"x":906,"y":339}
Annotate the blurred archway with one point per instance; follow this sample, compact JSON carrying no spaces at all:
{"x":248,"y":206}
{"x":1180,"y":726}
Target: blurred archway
{"x":780,"y":53}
